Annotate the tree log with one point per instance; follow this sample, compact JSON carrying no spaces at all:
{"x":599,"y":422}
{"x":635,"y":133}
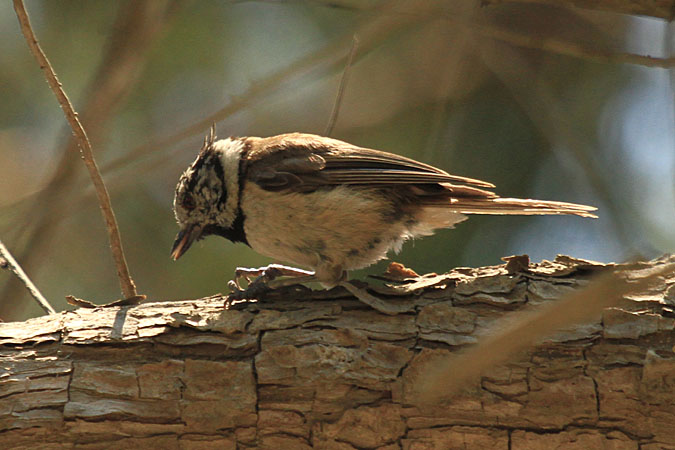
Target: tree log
{"x":319,"y":369}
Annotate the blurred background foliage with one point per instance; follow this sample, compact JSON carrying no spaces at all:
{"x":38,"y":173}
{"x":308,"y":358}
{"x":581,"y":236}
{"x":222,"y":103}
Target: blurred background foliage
{"x":449,"y":83}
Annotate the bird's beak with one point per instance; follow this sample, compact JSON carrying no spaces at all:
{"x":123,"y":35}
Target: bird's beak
{"x":184,"y":240}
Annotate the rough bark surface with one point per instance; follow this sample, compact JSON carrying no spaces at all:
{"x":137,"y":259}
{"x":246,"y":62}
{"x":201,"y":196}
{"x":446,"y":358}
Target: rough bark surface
{"x":318,"y":369}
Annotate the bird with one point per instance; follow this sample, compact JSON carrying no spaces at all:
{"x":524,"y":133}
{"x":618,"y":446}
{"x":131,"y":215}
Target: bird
{"x":325,"y":205}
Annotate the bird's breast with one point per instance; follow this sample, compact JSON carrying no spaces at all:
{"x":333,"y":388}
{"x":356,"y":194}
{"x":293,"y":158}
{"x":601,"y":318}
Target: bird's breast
{"x":337,"y":226}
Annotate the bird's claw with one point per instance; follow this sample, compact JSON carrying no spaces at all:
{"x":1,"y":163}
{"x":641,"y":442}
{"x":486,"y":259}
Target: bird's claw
{"x":254,"y":288}
{"x":266,"y":280}
{"x":252,"y":291}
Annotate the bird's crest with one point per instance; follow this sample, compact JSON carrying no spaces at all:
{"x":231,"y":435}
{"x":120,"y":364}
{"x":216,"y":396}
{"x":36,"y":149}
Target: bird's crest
{"x":209,"y":139}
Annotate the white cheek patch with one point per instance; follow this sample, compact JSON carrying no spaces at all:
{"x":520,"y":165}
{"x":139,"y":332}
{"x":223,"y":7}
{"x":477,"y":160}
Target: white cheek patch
{"x":230,"y":151}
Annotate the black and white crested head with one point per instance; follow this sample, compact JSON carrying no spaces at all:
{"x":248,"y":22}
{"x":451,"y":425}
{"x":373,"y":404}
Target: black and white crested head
{"x":207,"y":194}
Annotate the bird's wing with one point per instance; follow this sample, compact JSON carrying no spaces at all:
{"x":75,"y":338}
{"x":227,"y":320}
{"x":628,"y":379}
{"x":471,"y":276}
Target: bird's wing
{"x":304,"y":162}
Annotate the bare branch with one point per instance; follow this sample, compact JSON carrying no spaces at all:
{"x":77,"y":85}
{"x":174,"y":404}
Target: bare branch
{"x":137,"y":26}
{"x":664,"y":9}
{"x":8,"y":261}
{"x":566,"y":48}
{"x":661,"y":9}
{"x":127,"y":284}
{"x":341,"y":88}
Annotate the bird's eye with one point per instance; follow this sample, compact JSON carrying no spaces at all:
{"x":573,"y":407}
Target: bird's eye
{"x":188,"y":202}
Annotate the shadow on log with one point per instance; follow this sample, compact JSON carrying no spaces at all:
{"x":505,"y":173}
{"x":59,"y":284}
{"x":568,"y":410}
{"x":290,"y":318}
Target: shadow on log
{"x":318,"y":369}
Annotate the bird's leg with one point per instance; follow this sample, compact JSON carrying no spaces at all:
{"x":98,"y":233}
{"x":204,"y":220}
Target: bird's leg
{"x":291,"y":280}
{"x":269,"y":273}
{"x":332,"y":275}
{"x":267,"y":279}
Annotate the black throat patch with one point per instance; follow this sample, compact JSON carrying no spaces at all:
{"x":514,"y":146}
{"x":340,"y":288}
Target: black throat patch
{"x":235,"y":233}
{"x":238,"y":225}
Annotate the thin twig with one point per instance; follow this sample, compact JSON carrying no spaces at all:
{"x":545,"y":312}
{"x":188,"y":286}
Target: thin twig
{"x":135,"y":30}
{"x":661,"y":10}
{"x":8,"y":261}
{"x":654,"y":9}
{"x":520,"y":39}
{"x":127,"y":284}
{"x":571,"y":49}
{"x":669,"y":46}
{"x":531,"y":326}
{"x":341,"y":88}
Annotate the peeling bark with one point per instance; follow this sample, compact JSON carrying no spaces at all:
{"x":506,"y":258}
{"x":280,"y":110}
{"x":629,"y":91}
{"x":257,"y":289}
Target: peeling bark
{"x":318,"y":369}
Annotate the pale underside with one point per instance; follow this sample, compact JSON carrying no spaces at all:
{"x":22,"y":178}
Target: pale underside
{"x":332,"y":231}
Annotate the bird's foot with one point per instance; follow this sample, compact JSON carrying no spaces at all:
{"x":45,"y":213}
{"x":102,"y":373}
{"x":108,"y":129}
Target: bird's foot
{"x":266,"y":280}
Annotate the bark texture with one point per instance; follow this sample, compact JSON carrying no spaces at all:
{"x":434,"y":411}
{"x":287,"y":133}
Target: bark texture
{"x":318,"y":369}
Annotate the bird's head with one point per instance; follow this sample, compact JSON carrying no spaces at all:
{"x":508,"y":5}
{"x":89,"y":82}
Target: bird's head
{"x":207,"y":195}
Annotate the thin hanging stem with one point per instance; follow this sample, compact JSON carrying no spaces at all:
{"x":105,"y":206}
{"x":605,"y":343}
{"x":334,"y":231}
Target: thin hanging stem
{"x":127,"y":284}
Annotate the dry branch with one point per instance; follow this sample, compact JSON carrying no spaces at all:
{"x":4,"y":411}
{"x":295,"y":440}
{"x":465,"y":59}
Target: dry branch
{"x":126,"y":283}
{"x":319,"y":369}
{"x":567,"y":48}
{"x":137,"y":26}
{"x":663,"y":9}
{"x":7,"y":261}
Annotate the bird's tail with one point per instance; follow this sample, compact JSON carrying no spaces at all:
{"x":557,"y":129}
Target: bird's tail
{"x":519,"y":207}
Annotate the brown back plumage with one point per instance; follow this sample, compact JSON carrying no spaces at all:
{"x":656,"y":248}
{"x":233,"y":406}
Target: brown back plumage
{"x":304,"y":162}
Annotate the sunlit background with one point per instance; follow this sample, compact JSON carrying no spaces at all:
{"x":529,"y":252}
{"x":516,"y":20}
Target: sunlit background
{"x":539,"y":100}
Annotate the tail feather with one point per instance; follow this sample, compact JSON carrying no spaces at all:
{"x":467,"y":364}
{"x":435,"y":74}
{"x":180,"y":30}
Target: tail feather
{"x":519,"y":206}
